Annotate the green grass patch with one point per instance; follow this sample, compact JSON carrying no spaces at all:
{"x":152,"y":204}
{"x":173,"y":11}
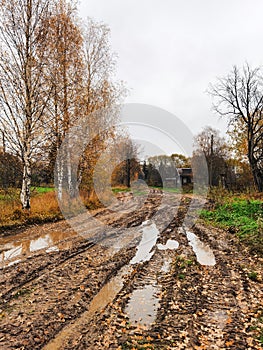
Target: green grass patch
{"x":40,"y":190}
{"x":253,"y":275}
{"x":172,"y":189}
{"x":181,"y":266}
{"x":21,"y":292}
{"x":120,"y":189}
{"x":243,"y":216}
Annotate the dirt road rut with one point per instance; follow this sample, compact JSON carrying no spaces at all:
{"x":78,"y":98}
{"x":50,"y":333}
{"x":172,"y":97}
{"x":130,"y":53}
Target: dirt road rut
{"x":155,"y":286}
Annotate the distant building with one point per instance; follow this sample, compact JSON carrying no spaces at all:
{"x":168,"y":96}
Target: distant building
{"x":171,"y":181}
{"x":183,"y":176}
{"x":186,"y":175}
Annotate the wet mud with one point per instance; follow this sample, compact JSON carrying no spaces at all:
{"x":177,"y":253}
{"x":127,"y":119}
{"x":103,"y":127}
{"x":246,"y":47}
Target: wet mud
{"x":145,"y":280}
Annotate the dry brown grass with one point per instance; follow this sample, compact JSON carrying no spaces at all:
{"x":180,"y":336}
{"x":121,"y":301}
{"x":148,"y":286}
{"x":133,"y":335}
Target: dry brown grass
{"x":44,"y":207}
{"x":45,"y":204}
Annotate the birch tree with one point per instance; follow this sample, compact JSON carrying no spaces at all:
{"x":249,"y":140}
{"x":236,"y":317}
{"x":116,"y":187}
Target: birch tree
{"x":64,"y":72}
{"x":99,"y":92}
{"x":81,"y":65}
{"x":23,"y":92}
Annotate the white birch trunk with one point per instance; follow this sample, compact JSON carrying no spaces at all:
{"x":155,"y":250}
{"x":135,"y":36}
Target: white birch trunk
{"x":26,"y":183}
{"x":60,"y":165}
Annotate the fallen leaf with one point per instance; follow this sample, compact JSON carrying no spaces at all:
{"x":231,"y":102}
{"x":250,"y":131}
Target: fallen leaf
{"x":229,"y":343}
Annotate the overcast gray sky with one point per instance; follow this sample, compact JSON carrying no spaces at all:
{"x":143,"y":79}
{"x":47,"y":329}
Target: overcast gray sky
{"x":170,"y":50}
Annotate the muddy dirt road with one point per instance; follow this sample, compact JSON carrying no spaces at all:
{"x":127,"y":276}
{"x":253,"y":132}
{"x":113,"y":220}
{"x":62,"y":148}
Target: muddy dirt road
{"x":141,"y":280}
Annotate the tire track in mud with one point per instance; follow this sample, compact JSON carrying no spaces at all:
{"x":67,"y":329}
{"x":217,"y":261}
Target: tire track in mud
{"x":29,"y":277}
{"x":73,"y":332}
{"x":201,"y":307}
{"x":22,"y":278}
{"x":226,"y":296}
{"x":53,"y":302}
{"x":33,"y":336}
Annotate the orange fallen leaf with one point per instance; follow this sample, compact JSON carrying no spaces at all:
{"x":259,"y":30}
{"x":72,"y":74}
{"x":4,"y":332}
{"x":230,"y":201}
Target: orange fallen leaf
{"x":149,"y":338}
{"x":147,"y":345}
{"x":229,"y":343}
{"x":229,"y":320}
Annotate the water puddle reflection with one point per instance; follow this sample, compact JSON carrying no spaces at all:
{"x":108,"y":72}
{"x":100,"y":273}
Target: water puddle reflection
{"x":203,"y":252}
{"x":51,"y":242}
{"x":12,"y":253}
{"x":219,"y":318}
{"x":143,"y":305}
{"x":145,"y":250}
{"x":106,"y":294}
{"x":170,"y":244}
{"x":146,"y":300}
{"x":40,"y":243}
{"x":14,"y":262}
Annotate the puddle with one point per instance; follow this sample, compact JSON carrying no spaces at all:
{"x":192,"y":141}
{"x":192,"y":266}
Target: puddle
{"x":146,"y":300}
{"x":170,"y":244}
{"x":40,"y":243}
{"x":145,"y":250}
{"x":98,"y":303}
{"x":203,"y":252}
{"x":14,"y":262}
{"x":143,"y":305}
{"x":52,"y":249}
{"x":51,"y":242}
{"x":108,"y":292}
{"x":12,"y":253}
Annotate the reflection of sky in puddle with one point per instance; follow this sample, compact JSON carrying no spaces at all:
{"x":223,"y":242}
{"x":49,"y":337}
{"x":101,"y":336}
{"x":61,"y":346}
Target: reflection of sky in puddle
{"x":109,"y":291}
{"x":170,"y":244}
{"x":142,"y":306}
{"x":149,"y":237}
{"x":51,"y":242}
{"x":14,"y":262}
{"x":52,"y":249}
{"x":203,"y":252}
{"x":40,"y":243}
{"x":12,"y":253}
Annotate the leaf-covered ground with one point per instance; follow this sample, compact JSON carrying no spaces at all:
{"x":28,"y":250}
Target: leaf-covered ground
{"x":51,"y":301}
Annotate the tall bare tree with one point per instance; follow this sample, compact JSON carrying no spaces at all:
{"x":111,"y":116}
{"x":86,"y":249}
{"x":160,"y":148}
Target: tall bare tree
{"x":239,"y":97}
{"x":126,"y":159}
{"x":215,"y":150}
{"x":23,"y":91}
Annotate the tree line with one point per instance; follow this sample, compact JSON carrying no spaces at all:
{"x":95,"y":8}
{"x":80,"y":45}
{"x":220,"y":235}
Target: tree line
{"x":238,"y":163}
{"x":54,"y":70}
{"x":239,"y":98}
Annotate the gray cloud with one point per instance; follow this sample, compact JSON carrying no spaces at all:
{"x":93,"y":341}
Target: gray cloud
{"x":170,"y":50}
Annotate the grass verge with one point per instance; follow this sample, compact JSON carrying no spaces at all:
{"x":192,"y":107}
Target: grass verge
{"x":242,"y":215}
{"x":44,"y":208}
